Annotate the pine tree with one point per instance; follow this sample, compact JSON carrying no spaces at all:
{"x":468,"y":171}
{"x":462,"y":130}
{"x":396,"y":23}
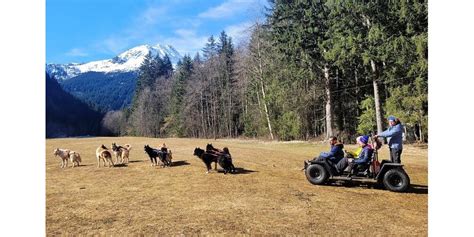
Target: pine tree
{"x":183,"y":75}
{"x":210,"y":49}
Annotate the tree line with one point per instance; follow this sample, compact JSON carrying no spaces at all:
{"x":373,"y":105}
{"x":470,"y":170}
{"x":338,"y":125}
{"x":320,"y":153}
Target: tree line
{"x":310,"y":69}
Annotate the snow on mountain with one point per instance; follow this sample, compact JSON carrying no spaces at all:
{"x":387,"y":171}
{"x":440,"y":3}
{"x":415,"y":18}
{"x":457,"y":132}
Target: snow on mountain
{"x":127,"y":61}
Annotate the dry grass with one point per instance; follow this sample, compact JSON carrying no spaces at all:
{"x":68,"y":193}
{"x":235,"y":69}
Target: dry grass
{"x":271,"y":196}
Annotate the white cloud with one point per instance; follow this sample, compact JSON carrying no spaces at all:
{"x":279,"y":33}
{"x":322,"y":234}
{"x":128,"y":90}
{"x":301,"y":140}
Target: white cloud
{"x":77,"y":52}
{"x":114,"y":44}
{"x":138,"y":30}
{"x":151,"y":15}
{"x":185,"y":32}
{"x":186,"y":41}
{"x":239,"y":32}
{"x":227,"y":9}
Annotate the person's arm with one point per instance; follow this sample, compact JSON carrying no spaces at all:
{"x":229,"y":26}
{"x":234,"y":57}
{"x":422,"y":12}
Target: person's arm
{"x":390,"y":132}
{"x":324,"y":155}
{"x":333,"y":151}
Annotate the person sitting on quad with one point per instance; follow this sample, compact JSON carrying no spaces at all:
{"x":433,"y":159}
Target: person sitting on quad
{"x":364,"y":156}
{"x":353,"y":154}
{"x":335,"y":154}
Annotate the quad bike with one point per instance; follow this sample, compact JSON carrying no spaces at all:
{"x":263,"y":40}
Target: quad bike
{"x":391,"y":175}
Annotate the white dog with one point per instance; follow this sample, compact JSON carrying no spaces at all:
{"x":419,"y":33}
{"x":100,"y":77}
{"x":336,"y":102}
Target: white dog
{"x":75,"y":158}
{"x":63,"y":154}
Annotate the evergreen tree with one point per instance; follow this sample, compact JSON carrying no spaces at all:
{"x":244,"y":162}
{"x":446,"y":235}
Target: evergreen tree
{"x":210,"y":49}
{"x":184,"y":72}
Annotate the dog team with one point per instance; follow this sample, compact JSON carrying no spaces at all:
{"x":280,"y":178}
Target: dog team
{"x":122,"y":155}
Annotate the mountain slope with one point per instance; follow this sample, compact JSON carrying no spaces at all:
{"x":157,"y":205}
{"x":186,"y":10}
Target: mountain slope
{"x":103,"y":91}
{"x":128,"y":61}
{"x":66,"y":115}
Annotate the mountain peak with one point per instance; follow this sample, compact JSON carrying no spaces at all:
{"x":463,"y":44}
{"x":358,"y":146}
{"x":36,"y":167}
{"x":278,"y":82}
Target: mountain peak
{"x":127,"y":61}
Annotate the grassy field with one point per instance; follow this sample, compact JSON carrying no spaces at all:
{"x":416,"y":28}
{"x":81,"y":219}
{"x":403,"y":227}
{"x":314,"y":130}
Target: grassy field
{"x":270,"y":195}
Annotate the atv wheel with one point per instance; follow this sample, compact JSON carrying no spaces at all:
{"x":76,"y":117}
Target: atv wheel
{"x":396,"y":180}
{"x":316,"y":174}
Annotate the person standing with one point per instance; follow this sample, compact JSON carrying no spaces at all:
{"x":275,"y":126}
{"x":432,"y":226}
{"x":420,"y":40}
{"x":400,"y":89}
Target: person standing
{"x":394,"y":134}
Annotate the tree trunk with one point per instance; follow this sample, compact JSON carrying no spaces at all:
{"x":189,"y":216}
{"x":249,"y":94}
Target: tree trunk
{"x":329,"y":129}
{"x":230,"y":114}
{"x":357,"y":92}
{"x":378,"y":108}
{"x":260,"y":67}
{"x":203,"y":126}
{"x":422,"y":138}
{"x":266,"y":112}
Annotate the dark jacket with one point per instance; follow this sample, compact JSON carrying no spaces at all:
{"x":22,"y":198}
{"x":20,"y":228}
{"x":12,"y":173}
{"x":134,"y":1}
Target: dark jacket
{"x":365,"y":155}
{"x":335,"y":154}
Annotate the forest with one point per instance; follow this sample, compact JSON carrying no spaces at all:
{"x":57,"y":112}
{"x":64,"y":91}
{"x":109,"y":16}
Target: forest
{"x":310,"y":69}
{"x":66,"y":115}
{"x":102,"y":91}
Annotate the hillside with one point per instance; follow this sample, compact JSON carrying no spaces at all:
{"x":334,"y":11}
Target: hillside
{"x":66,"y":115}
{"x":103,"y":91}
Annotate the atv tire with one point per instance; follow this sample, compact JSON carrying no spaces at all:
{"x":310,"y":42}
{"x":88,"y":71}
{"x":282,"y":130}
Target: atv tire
{"x":316,"y":174}
{"x":396,"y":180}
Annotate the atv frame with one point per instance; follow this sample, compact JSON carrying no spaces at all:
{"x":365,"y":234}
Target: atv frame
{"x":391,"y":175}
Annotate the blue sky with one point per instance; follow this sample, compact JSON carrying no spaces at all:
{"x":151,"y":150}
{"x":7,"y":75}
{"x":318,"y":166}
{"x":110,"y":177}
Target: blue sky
{"x":87,"y":30}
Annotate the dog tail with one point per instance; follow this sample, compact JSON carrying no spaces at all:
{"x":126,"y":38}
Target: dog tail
{"x":128,"y":146}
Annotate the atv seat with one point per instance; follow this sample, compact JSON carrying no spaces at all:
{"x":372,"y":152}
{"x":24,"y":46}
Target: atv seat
{"x":363,"y":168}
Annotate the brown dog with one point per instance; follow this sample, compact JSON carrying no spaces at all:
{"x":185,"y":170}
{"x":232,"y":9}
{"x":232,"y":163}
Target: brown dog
{"x":122,"y":152}
{"x":102,"y":153}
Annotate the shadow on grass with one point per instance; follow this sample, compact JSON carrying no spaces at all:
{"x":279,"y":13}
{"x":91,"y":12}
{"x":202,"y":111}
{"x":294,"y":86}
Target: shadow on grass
{"x":239,"y":171}
{"x":135,"y":161}
{"x":418,"y":189}
{"x":179,"y":163}
{"x":120,"y":165}
{"x":414,"y":188}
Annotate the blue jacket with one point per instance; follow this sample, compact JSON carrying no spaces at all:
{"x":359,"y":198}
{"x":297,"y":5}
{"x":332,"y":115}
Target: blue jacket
{"x":394,"y":135}
{"x":335,"y":154}
{"x":365,"y":155}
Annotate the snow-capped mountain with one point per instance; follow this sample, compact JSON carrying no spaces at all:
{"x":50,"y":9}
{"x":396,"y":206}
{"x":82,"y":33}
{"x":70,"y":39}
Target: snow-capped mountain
{"x":127,"y":61}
